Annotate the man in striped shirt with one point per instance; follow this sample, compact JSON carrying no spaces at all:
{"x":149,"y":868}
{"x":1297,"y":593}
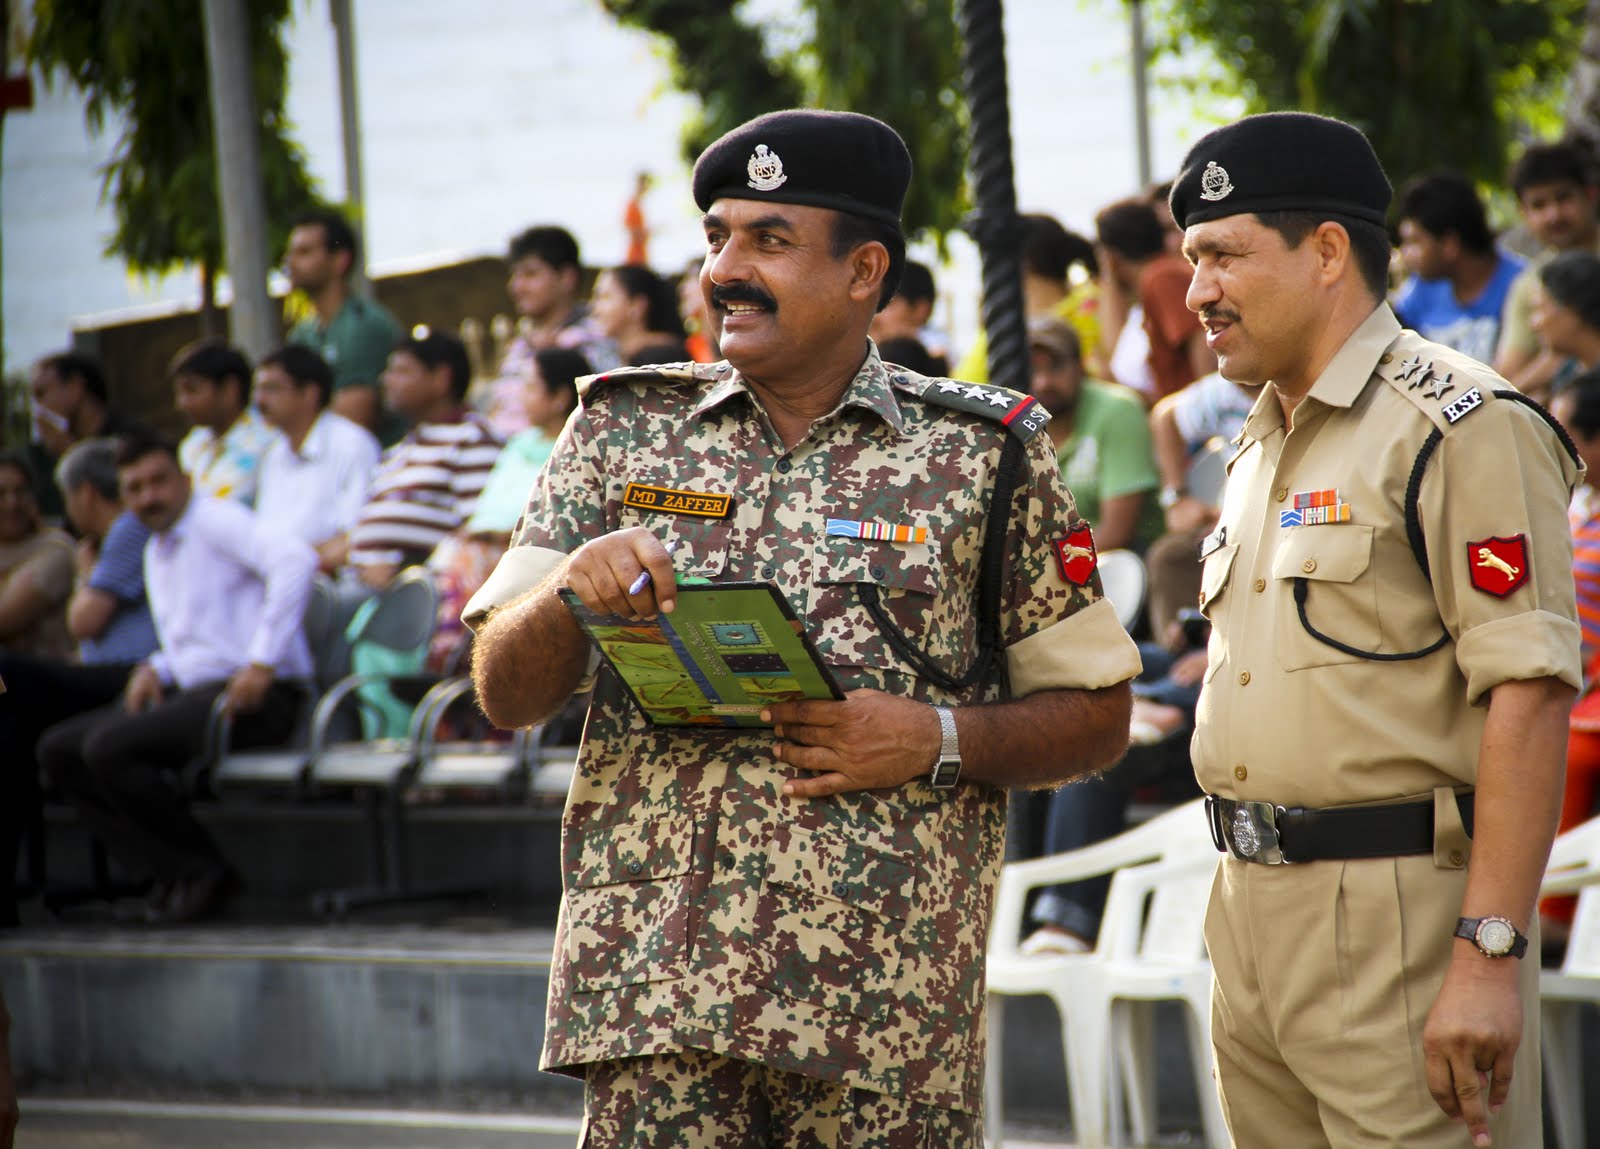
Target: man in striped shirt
{"x":427,"y":484}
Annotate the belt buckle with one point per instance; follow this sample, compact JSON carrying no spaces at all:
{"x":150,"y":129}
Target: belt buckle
{"x":1250,"y":830}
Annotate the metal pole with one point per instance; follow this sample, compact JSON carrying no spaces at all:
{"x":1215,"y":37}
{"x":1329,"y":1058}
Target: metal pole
{"x":344,"y":39}
{"x":244,"y":222}
{"x":994,"y":224}
{"x":1141,"y":97}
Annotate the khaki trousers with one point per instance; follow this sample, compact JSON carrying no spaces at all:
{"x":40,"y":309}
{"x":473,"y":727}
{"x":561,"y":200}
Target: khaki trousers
{"x":1325,"y":973}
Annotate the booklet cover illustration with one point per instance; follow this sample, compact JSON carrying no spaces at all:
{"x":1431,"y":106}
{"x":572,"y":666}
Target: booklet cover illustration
{"x":726,"y":652}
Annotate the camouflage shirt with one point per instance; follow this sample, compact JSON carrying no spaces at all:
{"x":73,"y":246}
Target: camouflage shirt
{"x":840,"y":938}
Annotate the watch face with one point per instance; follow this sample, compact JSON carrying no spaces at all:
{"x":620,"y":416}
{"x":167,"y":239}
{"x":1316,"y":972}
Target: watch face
{"x":1495,"y":936}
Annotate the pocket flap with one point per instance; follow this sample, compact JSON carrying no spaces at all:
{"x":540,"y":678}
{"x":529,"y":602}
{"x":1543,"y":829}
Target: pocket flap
{"x":642,"y":850}
{"x":839,"y":870}
{"x":897,"y":566}
{"x":1326,"y":553}
{"x":1214,"y":577}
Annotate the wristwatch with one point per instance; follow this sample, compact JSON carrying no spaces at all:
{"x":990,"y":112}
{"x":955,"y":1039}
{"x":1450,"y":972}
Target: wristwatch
{"x":947,"y":770}
{"x":1170,"y":496}
{"x":1495,"y":937}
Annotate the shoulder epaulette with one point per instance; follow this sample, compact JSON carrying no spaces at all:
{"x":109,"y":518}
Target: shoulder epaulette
{"x":1445,"y":387}
{"x":1022,"y":415}
{"x":663,"y":374}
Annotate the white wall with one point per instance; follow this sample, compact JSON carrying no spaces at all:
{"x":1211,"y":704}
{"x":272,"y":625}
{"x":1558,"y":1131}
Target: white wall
{"x":481,"y":117}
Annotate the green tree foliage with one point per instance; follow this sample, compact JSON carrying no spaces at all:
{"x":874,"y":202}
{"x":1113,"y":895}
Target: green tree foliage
{"x":144,"y":65}
{"x":898,"y":60}
{"x":1433,"y":83}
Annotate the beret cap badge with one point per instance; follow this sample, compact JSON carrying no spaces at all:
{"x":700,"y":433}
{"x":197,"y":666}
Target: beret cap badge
{"x":766,"y":169}
{"x":1214,"y":182}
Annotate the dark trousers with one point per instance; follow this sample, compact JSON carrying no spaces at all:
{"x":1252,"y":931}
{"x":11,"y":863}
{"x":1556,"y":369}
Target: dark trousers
{"x":40,"y":692}
{"x":118,"y":769}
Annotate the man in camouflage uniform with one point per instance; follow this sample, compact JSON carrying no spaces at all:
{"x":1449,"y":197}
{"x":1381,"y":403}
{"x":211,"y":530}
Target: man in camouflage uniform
{"x":777,"y":938}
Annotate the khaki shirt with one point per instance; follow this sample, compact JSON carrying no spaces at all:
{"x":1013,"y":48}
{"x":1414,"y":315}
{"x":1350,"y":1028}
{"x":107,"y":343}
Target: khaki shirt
{"x":841,"y":938}
{"x":1289,"y":719}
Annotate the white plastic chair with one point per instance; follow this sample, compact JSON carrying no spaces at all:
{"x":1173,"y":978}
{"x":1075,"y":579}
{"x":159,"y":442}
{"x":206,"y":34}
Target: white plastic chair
{"x":1123,"y":578}
{"x":1208,"y":472}
{"x":1150,"y":948}
{"x":1574,"y":868}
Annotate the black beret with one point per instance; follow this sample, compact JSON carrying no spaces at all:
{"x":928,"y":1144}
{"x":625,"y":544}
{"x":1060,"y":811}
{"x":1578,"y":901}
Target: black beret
{"x":839,"y":160}
{"x":1281,"y":161}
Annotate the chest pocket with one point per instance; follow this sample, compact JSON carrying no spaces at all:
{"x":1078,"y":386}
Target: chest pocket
{"x":1324,"y":587}
{"x":628,"y":906}
{"x":908,"y":582}
{"x":1215,"y":574}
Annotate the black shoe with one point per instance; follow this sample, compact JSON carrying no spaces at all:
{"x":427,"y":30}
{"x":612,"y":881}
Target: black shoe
{"x":194,"y":898}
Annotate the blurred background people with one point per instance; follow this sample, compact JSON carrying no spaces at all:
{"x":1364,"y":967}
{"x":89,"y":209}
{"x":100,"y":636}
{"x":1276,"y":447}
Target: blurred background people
{"x":638,"y":311}
{"x":908,"y":318}
{"x":352,"y":334}
{"x":1566,"y":312}
{"x":36,"y":567}
{"x":1458,"y":280}
{"x":226,"y":440}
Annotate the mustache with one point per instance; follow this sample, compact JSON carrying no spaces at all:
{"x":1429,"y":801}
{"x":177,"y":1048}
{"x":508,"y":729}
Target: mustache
{"x":1209,"y":314}
{"x":742,"y":293}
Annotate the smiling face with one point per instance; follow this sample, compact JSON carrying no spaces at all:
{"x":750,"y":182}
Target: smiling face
{"x":1258,"y":299}
{"x":777,"y":297}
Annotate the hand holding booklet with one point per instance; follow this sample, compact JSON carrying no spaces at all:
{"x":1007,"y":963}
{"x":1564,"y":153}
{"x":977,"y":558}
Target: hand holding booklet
{"x":725,"y":653}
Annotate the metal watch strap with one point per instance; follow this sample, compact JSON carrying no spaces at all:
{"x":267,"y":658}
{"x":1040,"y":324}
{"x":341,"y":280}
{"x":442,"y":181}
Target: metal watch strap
{"x":947,"y":770}
{"x":1472,"y":929}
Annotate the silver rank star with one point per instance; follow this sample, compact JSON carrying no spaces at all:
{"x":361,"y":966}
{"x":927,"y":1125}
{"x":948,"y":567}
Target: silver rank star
{"x":946,"y":386}
{"x":1410,"y":367}
{"x":1421,"y":380}
{"x":1441,"y":386}
{"x":999,"y":398}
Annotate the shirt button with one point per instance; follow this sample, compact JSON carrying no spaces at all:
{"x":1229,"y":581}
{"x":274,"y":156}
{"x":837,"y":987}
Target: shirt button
{"x":876,"y":571}
{"x":1281,"y":494}
{"x":1309,"y":565}
{"x":1260,"y":585}
{"x":1457,"y":858}
{"x":1244,"y":678}
{"x":784,"y":466}
{"x":840,"y":889}
{"x":1386,"y":358}
{"x":727,"y":861}
{"x":635,"y":867}
{"x":1240,"y":773}
{"x":768,"y":571}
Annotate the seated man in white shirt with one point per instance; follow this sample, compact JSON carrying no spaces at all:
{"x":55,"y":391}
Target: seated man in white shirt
{"x":227,"y":594}
{"x":315,"y":476}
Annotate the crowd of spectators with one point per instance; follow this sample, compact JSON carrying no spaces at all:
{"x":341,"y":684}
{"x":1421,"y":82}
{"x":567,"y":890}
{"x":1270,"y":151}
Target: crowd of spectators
{"x":356,"y":451}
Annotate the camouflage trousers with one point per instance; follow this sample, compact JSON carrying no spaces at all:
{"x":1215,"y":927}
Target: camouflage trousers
{"x":698,"y":1100}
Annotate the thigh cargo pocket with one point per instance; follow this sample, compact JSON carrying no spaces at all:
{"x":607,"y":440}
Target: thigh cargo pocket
{"x":830,"y":922}
{"x":628,"y":907}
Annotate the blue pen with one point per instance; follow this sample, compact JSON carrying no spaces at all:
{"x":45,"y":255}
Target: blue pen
{"x":643,"y":580}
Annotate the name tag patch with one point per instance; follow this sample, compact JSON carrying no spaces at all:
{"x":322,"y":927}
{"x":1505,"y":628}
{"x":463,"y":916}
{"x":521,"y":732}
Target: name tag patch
{"x":672,"y":501}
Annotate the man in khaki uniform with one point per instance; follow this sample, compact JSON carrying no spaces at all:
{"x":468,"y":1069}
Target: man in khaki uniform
{"x":775,"y":937}
{"x":1394,"y":651}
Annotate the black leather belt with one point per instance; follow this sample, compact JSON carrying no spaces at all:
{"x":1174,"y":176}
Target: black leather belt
{"x":1274,"y":835}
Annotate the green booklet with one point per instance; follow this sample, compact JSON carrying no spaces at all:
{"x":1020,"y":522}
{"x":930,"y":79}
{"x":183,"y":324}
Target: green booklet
{"x":727,"y":651}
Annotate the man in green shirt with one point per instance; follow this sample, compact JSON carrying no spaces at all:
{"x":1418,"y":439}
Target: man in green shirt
{"x":353,"y":334}
{"x":1102,"y":440}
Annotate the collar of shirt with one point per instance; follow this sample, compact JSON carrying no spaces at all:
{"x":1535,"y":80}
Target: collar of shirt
{"x":1341,"y":381}
{"x":169,"y":539}
{"x":871,"y":390}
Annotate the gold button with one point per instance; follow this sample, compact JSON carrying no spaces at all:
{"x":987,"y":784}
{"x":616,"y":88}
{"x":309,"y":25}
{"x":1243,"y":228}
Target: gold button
{"x":1457,"y":858}
{"x":1386,"y":358}
{"x":1244,"y":678}
{"x":1260,"y":585}
{"x":1309,"y":565}
{"x":1282,"y":493}
{"x":1240,"y":773}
